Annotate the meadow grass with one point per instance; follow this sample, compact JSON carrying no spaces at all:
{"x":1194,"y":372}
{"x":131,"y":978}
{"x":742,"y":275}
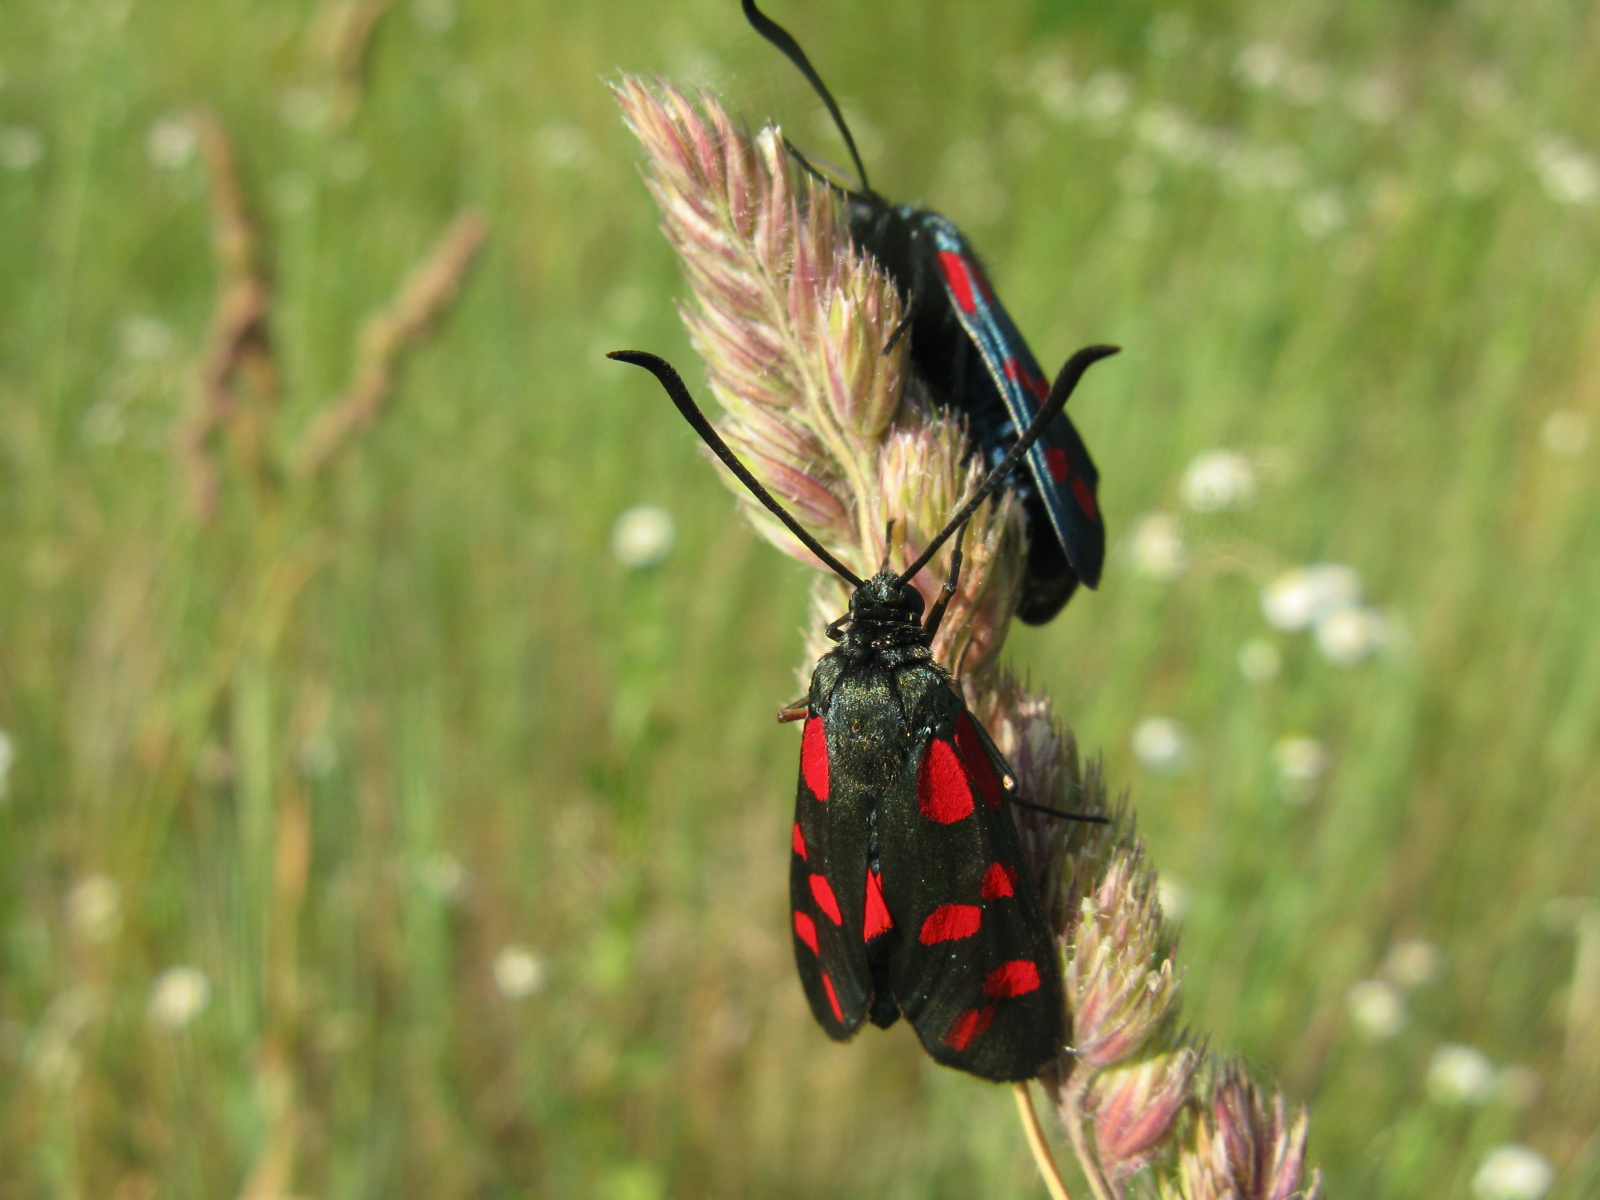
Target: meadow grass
{"x":344,"y":743}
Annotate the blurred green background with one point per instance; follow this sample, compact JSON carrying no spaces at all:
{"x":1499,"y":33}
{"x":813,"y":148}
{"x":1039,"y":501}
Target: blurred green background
{"x":538,"y":945}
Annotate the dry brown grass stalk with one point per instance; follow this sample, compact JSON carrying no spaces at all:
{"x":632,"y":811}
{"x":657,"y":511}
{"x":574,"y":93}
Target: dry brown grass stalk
{"x":426,"y":292}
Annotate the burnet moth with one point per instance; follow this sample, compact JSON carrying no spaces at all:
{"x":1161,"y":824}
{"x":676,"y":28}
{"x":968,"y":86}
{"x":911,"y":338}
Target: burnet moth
{"x":907,"y":883}
{"x":968,"y":351}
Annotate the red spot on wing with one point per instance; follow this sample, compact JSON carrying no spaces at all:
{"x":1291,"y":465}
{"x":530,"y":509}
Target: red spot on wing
{"x":1085,"y":497}
{"x":954,"y":269}
{"x":1013,"y":368}
{"x":1056,"y":459}
{"x":1015,"y":978}
{"x":968,"y":1026}
{"x":878,"y":919}
{"x":833,"y":998}
{"x":822,"y":893}
{"x":943,"y":793}
{"x":999,"y":881}
{"x":975,"y":758}
{"x":950,"y":922}
{"x":814,"y":758}
{"x":1039,"y":386}
{"x":806,"y":930}
{"x":800,"y":841}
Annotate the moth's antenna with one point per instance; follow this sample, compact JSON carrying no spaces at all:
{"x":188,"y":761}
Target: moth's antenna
{"x":1060,"y":391}
{"x":784,"y":41}
{"x":662,"y":370}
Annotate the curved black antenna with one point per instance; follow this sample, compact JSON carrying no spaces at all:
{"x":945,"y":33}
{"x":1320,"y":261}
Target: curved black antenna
{"x":1060,"y":391}
{"x":781,"y":38}
{"x":670,"y":380}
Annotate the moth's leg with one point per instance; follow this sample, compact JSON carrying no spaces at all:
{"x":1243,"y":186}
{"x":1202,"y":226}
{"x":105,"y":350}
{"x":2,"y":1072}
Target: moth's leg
{"x":795,"y":710}
{"x":835,"y":626}
{"x":936,"y":613}
{"x":919,"y":280}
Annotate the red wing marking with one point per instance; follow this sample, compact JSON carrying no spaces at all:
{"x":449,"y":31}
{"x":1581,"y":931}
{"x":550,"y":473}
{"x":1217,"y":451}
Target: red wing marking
{"x":878,"y":918}
{"x":1085,"y":497}
{"x":806,"y":930}
{"x":822,"y":893}
{"x":950,"y":922}
{"x":1039,"y":386}
{"x":814,"y":758}
{"x":943,"y":793}
{"x":833,"y":998}
{"x":999,"y":881}
{"x":975,"y":758}
{"x":1015,"y":978}
{"x":954,"y":269}
{"x":799,"y":841}
{"x":968,"y":1026}
{"x":1056,"y":459}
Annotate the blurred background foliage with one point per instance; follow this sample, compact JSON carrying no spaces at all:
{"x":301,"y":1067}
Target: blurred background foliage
{"x":387,"y":833}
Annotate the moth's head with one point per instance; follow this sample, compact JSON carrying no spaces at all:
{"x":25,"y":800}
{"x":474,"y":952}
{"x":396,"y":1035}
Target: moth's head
{"x":886,"y":600}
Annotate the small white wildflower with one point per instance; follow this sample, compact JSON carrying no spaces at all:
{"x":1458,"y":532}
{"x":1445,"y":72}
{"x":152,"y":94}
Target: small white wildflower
{"x":1260,"y":661}
{"x":178,"y":995}
{"x":1350,"y":633}
{"x":1218,"y":480}
{"x":1376,"y":1008}
{"x":1321,"y":214}
{"x":1520,"y":1086}
{"x":1158,"y":549}
{"x":1301,"y":596}
{"x":145,"y":338}
{"x":1565,"y":433}
{"x":1373,"y":100}
{"x":1161,"y":744}
{"x":1104,"y":98}
{"x":1054,"y":87}
{"x":518,"y":972}
{"x":433,"y":16}
{"x":1413,"y":963}
{"x":171,"y":142}
{"x":561,"y":144}
{"x":21,"y":148}
{"x":94,"y":907}
{"x":443,"y":875}
{"x":1461,"y":1074}
{"x":643,"y":536}
{"x":304,"y":109}
{"x":1569,"y":176}
{"x":1261,"y":65}
{"x":8,"y":754}
{"x":1300,"y":759}
{"x":1173,"y":895}
{"x":1513,"y":1173}
{"x":1306,"y":83}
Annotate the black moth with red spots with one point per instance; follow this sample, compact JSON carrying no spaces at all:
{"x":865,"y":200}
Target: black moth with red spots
{"x":909,"y":892}
{"x":967,"y":349}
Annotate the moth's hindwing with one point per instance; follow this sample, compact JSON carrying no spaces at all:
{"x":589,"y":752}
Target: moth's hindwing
{"x":1059,"y":462}
{"x":827,"y":877}
{"x":971,"y":964}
